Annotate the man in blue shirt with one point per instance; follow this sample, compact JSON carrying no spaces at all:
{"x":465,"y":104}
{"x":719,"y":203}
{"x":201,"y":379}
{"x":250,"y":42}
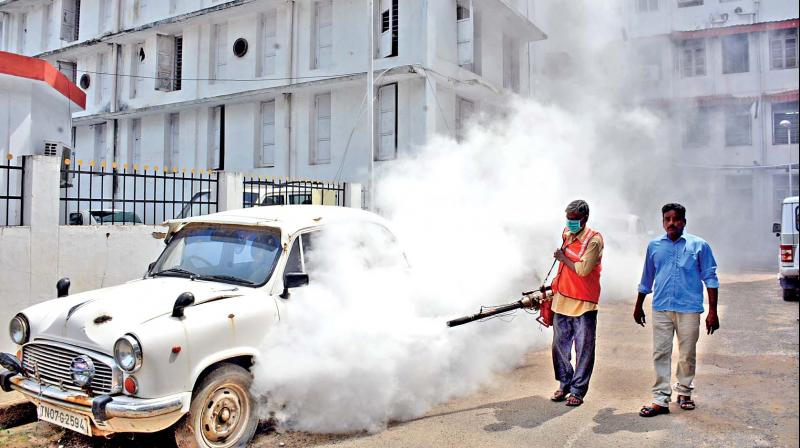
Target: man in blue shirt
{"x":678,"y":263}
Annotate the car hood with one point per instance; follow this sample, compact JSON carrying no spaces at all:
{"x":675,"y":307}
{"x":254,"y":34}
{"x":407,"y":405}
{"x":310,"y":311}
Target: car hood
{"x":96,"y":319}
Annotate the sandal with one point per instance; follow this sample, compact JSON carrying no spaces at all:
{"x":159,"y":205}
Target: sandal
{"x":559,"y":395}
{"x":685,"y":402}
{"x":574,"y":401}
{"x":653,"y":410}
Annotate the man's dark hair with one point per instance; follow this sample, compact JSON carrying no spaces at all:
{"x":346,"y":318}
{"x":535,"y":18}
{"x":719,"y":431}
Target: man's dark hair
{"x":678,"y":208}
{"x":578,"y":206}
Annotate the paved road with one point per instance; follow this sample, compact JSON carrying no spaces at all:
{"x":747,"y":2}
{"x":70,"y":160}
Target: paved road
{"x":747,"y":393}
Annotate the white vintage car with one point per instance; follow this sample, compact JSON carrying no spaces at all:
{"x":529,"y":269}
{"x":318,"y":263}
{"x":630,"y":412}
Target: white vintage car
{"x":175,"y":347}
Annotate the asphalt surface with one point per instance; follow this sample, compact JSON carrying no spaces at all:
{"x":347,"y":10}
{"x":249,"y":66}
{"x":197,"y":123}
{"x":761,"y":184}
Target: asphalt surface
{"x":746,"y":392}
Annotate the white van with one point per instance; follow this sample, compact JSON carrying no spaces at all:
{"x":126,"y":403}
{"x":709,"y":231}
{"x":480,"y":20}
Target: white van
{"x":788,"y":230}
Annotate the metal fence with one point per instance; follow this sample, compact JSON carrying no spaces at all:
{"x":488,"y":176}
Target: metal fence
{"x":136,"y":194}
{"x":11,"y":191}
{"x":260,"y":191}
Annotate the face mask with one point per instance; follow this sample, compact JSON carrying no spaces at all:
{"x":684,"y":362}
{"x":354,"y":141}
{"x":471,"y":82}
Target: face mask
{"x":574,"y":225}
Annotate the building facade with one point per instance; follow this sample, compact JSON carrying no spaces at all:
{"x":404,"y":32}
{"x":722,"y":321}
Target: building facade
{"x":273,"y":86}
{"x":726,"y":74}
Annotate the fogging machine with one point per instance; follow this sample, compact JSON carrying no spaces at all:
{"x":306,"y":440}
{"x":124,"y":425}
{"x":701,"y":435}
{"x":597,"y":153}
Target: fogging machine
{"x":530,"y":299}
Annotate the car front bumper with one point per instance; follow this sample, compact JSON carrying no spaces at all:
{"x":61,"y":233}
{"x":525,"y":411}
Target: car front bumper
{"x":109,"y":413}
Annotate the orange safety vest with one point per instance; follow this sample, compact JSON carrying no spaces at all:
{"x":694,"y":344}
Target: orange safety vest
{"x":567,"y":282}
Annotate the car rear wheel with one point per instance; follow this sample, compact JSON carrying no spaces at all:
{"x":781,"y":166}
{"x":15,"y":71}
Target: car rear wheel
{"x":791,"y":294}
{"x":222,"y":413}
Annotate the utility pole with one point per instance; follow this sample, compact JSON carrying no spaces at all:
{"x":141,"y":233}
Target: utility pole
{"x":371,"y":106}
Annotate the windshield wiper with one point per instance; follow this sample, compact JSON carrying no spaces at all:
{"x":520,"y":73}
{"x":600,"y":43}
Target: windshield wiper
{"x":177,"y":272}
{"x":224,"y":277}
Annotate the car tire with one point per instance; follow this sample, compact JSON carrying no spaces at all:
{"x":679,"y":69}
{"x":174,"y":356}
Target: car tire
{"x":222,"y":413}
{"x":791,"y":295}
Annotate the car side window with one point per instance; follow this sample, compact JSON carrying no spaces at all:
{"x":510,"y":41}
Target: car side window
{"x":295,"y":262}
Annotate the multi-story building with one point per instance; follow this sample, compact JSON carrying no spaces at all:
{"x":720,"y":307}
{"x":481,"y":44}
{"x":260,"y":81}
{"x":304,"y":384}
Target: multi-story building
{"x":274,"y":86}
{"x":726,"y":73}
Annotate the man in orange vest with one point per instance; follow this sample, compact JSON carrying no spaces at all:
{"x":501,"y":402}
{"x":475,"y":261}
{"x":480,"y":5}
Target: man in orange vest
{"x":576,"y":291}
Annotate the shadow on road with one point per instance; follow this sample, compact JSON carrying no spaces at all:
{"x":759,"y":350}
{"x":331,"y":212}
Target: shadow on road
{"x":608,"y":422}
{"x":528,"y":412}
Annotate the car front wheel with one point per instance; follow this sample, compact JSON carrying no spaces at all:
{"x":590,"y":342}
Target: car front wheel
{"x":222,"y":413}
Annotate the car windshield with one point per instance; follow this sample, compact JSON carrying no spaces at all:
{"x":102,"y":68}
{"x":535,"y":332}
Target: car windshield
{"x":226,"y":253}
{"x":107,"y":216}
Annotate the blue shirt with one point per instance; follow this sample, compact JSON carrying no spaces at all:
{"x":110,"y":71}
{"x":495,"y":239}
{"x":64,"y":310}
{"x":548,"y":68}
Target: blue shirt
{"x":679,"y":270}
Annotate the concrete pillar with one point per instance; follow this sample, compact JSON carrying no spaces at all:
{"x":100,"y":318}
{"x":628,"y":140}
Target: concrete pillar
{"x":353,"y":195}
{"x":40,"y":213}
{"x":231,"y":191}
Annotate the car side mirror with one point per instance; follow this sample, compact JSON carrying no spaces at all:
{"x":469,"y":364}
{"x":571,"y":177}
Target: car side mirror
{"x":776,"y":228}
{"x":293,"y":280}
{"x":184,"y":300}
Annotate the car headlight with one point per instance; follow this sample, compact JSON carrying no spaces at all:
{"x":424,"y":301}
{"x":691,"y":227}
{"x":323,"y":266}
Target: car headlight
{"x":19,"y":329}
{"x":128,"y":353}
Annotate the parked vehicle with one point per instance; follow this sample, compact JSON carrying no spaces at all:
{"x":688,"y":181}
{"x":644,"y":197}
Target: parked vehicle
{"x":109,"y":216}
{"x":788,"y":230}
{"x":175,"y":347}
{"x":263,"y":195}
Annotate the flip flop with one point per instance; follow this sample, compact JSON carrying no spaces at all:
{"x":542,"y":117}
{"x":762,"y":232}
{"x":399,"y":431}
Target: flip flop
{"x":559,"y":396}
{"x":574,"y":401}
{"x":686,"y":403}
{"x":651,"y":411}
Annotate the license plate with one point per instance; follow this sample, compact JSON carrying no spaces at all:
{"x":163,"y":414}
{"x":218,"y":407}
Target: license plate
{"x":67,"y":419}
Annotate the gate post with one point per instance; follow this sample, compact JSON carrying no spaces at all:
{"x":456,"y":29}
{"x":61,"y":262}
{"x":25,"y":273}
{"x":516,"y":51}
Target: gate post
{"x":41,"y":204}
{"x":353,"y":195}
{"x":231,"y":190}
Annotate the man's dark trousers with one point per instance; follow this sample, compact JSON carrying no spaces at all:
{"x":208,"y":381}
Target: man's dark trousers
{"x":580,"y":331}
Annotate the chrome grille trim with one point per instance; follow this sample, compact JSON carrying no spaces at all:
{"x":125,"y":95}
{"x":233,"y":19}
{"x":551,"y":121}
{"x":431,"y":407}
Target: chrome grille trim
{"x":52,"y":361}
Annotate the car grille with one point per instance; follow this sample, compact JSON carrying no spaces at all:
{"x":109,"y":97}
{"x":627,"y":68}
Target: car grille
{"x":53,"y":363}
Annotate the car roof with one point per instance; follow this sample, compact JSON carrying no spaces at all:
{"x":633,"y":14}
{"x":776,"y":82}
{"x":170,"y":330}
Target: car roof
{"x":289,"y":218}
{"x":791,"y":200}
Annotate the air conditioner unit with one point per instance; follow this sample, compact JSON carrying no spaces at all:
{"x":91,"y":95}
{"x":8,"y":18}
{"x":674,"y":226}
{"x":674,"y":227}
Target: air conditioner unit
{"x":63,"y":151}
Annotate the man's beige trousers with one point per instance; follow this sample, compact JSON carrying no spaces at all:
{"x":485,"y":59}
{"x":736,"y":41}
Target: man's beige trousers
{"x":666,"y":324}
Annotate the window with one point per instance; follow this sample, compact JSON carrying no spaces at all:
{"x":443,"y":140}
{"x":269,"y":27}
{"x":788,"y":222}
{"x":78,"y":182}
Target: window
{"x":178,"y":71}
{"x":646,"y":5}
{"x":465,"y":34}
{"x":99,"y":142}
{"x":737,"y":125}
{"x":739,"y":191}
{"x":135,"y":141}
{"x":22,"y":35}
{"x":323,"y":34}
{"x":169,"y":51}
{"x":69,"y":69}
{"x":139,"y":9}
{"x":783,"y":49}
{"x":47,"y":14}
{"x":784,"y":111}
{"x":697,"y":128}
{"x":102,"y":86}
{"x":172,"y":150}
{"x":687,"y":3}
{"x":387,"y":122}
{"x":780,"y":190}
{"x":106,"y":15}
{"x":321,"y":148}
{"x":693,"y":57}
{"x":70,"y":19}
{"x":735,"y":54}
{"x":269,"y":42}
{"x":267,"y":154}
{"x":464,"y":110}
{"x":220,"y":54}
{"x":3,"y":30}
{"x":216,"y":153}
{"x":387,"y":46}
{"x":510,"y":64}
{"x":138,"y":72}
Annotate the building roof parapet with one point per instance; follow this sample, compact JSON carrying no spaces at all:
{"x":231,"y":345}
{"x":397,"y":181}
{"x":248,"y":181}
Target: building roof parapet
{"x":112,"y":37}
{"x":736,"y":29}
